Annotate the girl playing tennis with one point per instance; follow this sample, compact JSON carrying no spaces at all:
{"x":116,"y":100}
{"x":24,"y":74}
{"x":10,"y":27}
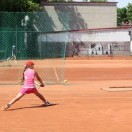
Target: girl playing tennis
{"x":29,"y":75}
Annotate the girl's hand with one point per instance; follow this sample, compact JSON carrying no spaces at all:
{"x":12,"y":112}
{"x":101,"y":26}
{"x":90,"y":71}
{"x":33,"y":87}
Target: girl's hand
{"x":42,"y":85}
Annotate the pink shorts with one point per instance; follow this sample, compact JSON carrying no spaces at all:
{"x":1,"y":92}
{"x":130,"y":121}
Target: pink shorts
{"x":28,"y":90}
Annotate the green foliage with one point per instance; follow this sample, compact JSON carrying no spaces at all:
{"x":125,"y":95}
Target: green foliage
{"x":18,"y":5}
{"x":124,"y":15}
{"x":121,"y":16}
{"x":129,"y":12}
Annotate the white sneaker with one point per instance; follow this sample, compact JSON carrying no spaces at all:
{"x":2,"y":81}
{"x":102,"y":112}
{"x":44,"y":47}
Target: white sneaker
{"x":47,"y":103}
{"x":5,"y":107}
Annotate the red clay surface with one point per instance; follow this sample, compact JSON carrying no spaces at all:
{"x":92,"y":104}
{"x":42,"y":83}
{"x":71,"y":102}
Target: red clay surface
{"x":79,"y":106}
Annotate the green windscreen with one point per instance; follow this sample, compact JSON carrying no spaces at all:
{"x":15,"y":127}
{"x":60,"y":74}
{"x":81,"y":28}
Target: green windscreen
{"x":33,"y":36}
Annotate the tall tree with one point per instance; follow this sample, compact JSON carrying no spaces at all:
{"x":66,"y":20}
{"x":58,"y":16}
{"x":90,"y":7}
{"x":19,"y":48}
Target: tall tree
{"x":129,"y":12}
{"x":18,"y":5}
{"x":122,"y":16}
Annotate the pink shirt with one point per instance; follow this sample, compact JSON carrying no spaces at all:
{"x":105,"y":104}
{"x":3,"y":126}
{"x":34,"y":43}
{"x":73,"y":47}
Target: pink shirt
{"x":29,"y":76}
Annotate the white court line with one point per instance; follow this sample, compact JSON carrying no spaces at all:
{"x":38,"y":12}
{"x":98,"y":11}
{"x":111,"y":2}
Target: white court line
{"x":57,"y":77}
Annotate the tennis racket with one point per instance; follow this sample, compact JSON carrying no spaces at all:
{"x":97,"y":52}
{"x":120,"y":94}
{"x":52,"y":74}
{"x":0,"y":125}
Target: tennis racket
{"x":37,"y":85}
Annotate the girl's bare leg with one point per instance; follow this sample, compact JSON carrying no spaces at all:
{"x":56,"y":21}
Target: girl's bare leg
{"x":47,"y":103}
{"x":19,"y":96}
{"x":40,"y":96}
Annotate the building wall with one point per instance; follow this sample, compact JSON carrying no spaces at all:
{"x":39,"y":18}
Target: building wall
{"x":83,"y":15}
{"x":99,"y":42}
{"x":121,"y":35}
{"x":92,"y":42}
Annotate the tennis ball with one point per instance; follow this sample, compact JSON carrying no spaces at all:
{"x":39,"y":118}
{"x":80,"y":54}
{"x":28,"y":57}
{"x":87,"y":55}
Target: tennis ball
{"x":65,"y":81}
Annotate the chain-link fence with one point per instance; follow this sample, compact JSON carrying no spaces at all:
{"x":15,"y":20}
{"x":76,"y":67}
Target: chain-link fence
{"x":25,"y":36}
{"x":38,"y":36}
{"x":18,"y":46}
{"x":29,"y":45}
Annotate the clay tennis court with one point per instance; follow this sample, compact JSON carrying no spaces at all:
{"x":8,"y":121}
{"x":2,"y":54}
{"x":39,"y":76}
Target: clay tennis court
{"x":78,"y":106}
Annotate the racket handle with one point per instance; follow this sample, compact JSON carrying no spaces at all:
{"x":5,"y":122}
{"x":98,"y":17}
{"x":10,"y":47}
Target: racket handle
{"x":42,"y":85}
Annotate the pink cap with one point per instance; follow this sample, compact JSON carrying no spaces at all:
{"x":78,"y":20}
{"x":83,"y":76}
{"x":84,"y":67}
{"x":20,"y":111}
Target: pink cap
{"x":29,"y":63}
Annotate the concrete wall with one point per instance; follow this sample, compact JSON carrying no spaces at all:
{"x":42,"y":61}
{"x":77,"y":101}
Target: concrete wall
{"x":93,"y":42}
{"x":100,"y":35}
{"x":82,"y":15}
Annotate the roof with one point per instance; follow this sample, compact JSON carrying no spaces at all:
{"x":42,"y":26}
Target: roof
{"x":79,"y":3}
